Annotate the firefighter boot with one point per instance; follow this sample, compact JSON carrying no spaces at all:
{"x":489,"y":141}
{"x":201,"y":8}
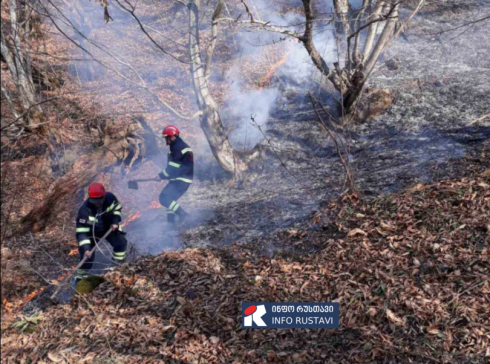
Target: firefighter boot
{"x":81,"y":274}
{"x":182,"y":215}
{"x":170,"y":221}
{"x":119,"y":258}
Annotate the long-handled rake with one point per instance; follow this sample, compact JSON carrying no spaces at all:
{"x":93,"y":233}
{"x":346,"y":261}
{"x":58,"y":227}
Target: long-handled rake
{"x":133,"y":185}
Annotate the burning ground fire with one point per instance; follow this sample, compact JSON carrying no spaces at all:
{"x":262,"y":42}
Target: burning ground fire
{"x":11,"y":306}
{"x":154,"y":205}
{"x":272,"y":70}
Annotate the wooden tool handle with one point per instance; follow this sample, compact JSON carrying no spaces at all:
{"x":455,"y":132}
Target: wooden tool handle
{"x":145,"y":180}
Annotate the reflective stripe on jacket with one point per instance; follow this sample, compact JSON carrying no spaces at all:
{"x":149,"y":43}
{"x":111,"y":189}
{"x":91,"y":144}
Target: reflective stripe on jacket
{"x":91,"y":221}
{"x":180,"y":166}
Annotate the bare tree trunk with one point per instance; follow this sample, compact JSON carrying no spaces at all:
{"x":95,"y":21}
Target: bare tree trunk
{"x":358,"y":82}
{"x":383,"y":41}
{"x":19,"y":65}
{"x":368,"y":45}
{"x":27,"y":30}
{"x":350,"y":80}
{"x":342,"y":11}
{"x":211,"y":123}
{"x":23,"y":79}
{"x":10,"y":104}
{"x":307,"y":39}
{"x":13,"y":130}
{"x":356,"y":55}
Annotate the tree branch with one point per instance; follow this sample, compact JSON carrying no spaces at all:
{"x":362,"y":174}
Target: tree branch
{"x":461,"y":26}
{"x":141,"y":85}
{"x":212,"y":44}
{"x":479,"y":119}
{"x":7,"y":55}
{"x":383,"y":41}
{"x":419,"y":6}
{"x":102,"y":48}
{"x":11,"y":107}
{"x":382,"y":18}
{"x":344,"y":163}
{"x":358,"y":36}
{"x":373,"y":26}
{"x":307,"y":40}
{"x":25,"y":112}
{"x":131,"y":10}
{"x":268,"y":27}
{"x":357,"y":33}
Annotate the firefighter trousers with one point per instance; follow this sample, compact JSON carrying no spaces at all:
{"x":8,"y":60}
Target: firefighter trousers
{"x":119,"y":252}
{"x":169,"y":196}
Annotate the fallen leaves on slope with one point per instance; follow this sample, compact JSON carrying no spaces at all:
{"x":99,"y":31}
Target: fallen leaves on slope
{"x":414,"y":287}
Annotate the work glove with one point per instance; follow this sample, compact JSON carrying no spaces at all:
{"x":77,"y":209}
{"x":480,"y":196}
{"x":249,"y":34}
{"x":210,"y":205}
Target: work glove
{"x":162,"y":176}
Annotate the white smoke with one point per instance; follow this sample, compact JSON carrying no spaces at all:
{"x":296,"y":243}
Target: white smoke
{"x":245,"y":105}
{"x":139,"y":59}
{"x":298,"y":70}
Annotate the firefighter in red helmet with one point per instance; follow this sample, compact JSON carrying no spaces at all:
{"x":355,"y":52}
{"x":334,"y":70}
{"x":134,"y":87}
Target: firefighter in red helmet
{"x":98,"y":213}
{"x":179,"y":172}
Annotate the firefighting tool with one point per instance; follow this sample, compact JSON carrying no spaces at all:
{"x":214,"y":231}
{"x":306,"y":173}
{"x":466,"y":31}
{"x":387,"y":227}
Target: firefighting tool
{"x":133,"y":185}
{"x":66,"y":279}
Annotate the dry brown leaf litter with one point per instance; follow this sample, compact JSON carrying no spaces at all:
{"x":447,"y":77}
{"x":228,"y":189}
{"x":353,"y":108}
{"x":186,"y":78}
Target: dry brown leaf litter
{"x":413,"y":287}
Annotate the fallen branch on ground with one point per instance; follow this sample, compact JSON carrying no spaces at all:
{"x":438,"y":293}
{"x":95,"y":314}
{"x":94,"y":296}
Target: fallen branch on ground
{"x":341,"y":156}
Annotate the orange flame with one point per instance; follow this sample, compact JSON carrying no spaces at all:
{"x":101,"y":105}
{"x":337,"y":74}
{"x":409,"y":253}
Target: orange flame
{"x":273,"y":69}
{"x":33,"y":294}
{"x":131,"y":218}
{"x":154,"y":205}
{"x":134,"y":217}
{"x":73,"y":252}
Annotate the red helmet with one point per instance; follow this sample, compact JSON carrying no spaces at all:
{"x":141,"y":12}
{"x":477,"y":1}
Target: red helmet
{"x":96,"y":190}
{"x":170,"y":131}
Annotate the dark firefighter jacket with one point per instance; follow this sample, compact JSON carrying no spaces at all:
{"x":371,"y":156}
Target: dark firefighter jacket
{"x":180,"y":166}
{"x":91,"y":221}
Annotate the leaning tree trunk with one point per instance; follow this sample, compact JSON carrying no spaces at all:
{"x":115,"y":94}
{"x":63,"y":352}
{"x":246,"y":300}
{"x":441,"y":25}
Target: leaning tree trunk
{"x":230,"y":160}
